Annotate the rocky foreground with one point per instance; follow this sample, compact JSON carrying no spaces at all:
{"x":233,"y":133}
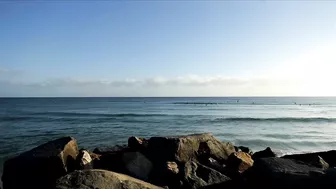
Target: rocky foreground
{"x":183,"y":162}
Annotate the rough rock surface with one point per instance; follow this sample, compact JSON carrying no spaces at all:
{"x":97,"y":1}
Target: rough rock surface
{"x":84,"y":160}
{"x":328,"y":156}
{"x":181,"y":149}
{"x":264,"y":154}
{"x":283,"y":173}
{"x":197,"y":175}
{"x":137,"y":143}
{"x":101,"y":179}
{"x":166,"y":174}
{"x":137,"y":165}
{"x":214,"y":164}
{"x":172,"y":167}
{"x":41,"y":166}
{"x":240,"y":161}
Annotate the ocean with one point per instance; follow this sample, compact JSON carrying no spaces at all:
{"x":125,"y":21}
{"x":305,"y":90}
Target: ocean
{"x":287,"y":124}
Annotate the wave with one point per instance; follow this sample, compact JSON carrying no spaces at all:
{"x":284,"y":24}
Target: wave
{"x":200,"y":103}
{"x":77,"y":114}
{"x":277,"y":119}
{"x":91,"y":117}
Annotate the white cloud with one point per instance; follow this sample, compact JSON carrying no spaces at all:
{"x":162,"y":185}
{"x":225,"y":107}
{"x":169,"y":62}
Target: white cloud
{"x":190,"y":85}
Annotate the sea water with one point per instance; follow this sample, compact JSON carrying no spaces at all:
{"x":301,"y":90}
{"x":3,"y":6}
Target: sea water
{"x":287,"y":124}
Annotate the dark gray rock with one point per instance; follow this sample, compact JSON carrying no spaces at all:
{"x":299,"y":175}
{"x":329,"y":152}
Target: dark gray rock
{"x":137,"y":165}
{"x":264,"y":154}
{"x":181,"y":149}
{"x":111,"y":149}
{"x":196,"y":175}
{"x":101,"y":179}
{"x":167,"y":174}
{"x":328,"y":156}
{"x":41,"y":166}
{"x":214,"y":164}
{"x":276,"y":173}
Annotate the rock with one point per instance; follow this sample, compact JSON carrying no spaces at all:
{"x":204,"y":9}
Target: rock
{"x":264,"y":154}
{"x":214,"y":164}
{"x":197,"y":175}
{"x":137,"y":143}
{"x":328,"y":156}
{"x":231,"y":184}
{"x":283,"y":173}
{"x":110,"y":158}
{"x":111,"y":150}
{"x":94,"y":156}
{"x":137,"y":165}
{"x":240,"y":161}
{"x":172,"y":167}
{"x":41,"y":166}
{"x":84,"y":160}
{"x":166,"y":174}
{"x":246,"y":150}
{"x":95,"y":178}
{"x":181,"y":149}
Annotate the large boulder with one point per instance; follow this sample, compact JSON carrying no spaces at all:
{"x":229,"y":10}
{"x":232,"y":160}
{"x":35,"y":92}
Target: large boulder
{"x":137,"y":165}
{"x":102,"y":179}
{"x":197,"y":175}
{"x":181,"y":149}
{"x":240,"y":161}
{"x":264,"y":154}
{"x":276,"y":173}
{"x":41,"y":166}
{"x":328,"y":156}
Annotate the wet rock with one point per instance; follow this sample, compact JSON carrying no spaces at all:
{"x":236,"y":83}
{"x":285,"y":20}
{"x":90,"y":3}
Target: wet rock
{"x":137,"y":143}
{"x":197,"y":175}
{"x":95,"y":178}
{"x":137,"y":165}
{"x":276,"y":173}
{"x":328,"y":156}
{"x":41,"y":166}
{"x":181,"y":149}
{"x":264,"y":154}
{"x":240,"y":161}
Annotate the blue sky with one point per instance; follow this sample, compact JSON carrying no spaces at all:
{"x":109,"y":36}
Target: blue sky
{"x":106,"y":48}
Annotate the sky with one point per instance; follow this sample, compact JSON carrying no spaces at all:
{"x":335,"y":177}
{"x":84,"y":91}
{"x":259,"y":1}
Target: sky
{"x":167,"y":48}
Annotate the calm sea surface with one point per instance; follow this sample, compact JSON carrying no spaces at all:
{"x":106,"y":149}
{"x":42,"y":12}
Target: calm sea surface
{"x":286,"y":124}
